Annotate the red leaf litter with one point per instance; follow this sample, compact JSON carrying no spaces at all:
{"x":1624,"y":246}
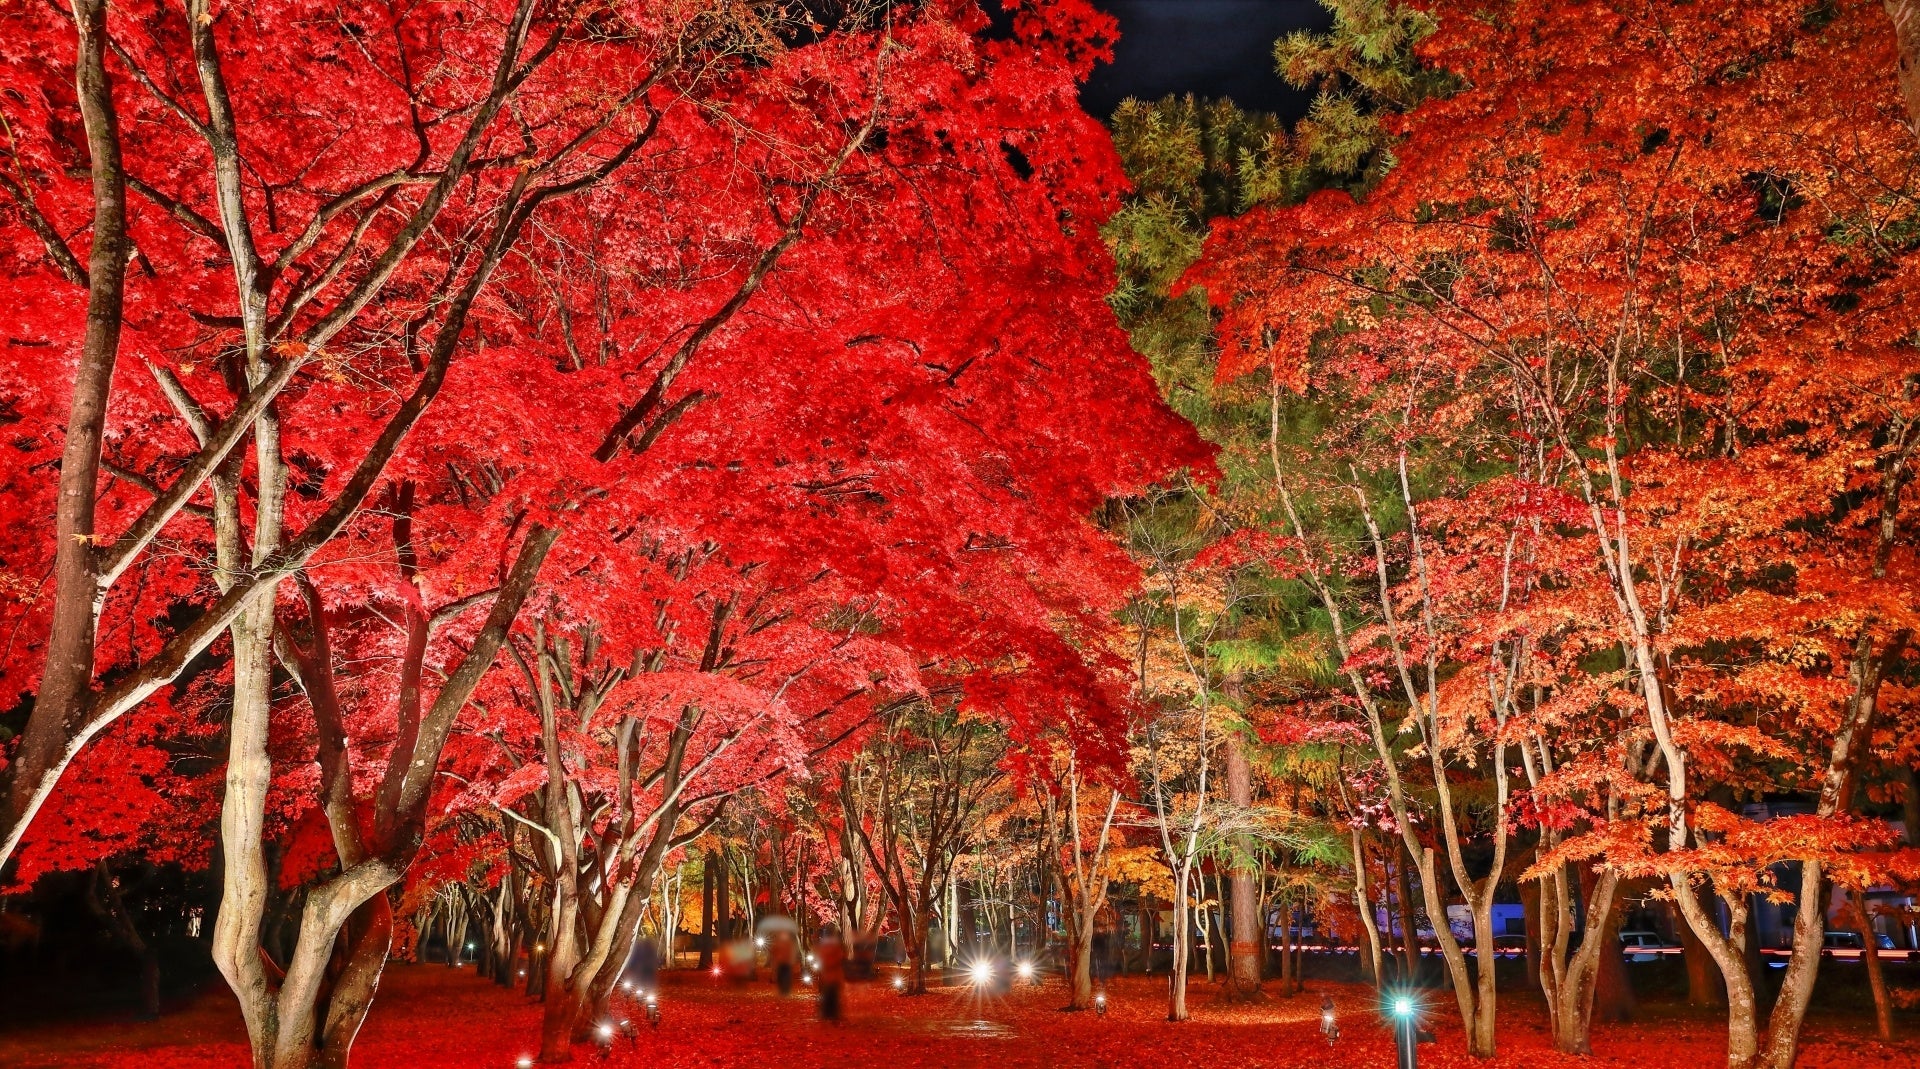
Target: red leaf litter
{"x":430,"y":1016}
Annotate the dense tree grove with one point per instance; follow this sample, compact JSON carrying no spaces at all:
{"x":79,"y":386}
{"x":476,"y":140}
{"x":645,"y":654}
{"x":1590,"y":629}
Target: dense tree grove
{"x":558,"y":482}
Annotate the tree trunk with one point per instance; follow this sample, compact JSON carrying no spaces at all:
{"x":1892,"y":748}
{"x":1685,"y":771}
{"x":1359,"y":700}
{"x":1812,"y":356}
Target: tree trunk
{"x":562,"y":1007}
{"x":110,"y":906}
{"x":1705,"y":990}
{"x":1613,"y":999}
{"x":1246,"y":949}
{"x":58,"y":725}
{"x":1079,"y":969}
{"x":1870,"y":954}
{"x":1530,"y":907}
{"x":1906,"y":35}
{"x":914,"y":935}
{"x":1409,"y":929}
{"x":1182,"y":940}
{"x":369,"y":938}
{"x":1743,"y":1038}
{"x":706,"y":914}
{"x":1365,"y":905}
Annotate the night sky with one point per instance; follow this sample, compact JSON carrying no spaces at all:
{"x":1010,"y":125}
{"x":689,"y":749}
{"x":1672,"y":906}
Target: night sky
{"x":1208,"y":47}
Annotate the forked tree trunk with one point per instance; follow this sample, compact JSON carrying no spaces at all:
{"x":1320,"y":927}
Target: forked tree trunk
{"x":1570,"y":979}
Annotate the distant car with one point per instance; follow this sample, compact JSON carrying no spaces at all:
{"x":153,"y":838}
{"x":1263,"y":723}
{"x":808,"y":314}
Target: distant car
{"x":1510,"y":946}
{"x":1851,"y":941}
{"x":1645,"y":946}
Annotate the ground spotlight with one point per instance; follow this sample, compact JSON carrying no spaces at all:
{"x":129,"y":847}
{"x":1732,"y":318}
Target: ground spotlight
{"x":1025,"y":969}
{"x":981,"y":972}
{"x":525,"y":1061}
{"x":1100,"y":1003}
{"x":603,"y":1039}
{"x":899,"y":983}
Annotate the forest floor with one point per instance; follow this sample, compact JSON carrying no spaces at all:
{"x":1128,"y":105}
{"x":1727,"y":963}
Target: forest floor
{"x":429,"y":1016}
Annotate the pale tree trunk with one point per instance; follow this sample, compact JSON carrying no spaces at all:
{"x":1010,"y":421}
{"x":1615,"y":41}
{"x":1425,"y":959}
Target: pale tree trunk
{"x":1367,"y":922}
{"x":1906,"y":37}
{"x":1474,"y":996}
{"x":602,"y":881}
{"x":297,"y":1019}
{"x":1182,"y":939}
{"x":1569,"y":980}
{"x":1081,"y":876}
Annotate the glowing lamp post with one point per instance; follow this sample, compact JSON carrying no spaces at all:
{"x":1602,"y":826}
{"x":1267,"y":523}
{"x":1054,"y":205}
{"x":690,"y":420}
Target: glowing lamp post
{"x":1407,"y":1033}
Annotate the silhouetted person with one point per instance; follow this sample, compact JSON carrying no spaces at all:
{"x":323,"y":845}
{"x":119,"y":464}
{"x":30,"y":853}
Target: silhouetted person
{"x":780,"y":955}
{"x":832,"y":977}
{"x":643,"y":965}
{"x":1102,"y":955}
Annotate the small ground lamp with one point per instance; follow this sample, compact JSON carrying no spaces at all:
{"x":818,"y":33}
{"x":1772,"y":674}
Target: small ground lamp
{"x":1100,"y":1004}
{"x":525,"y":1061}
{"x":633,"y":1034}
{"x":899,"y":983}
{"x":1025,"y":971}
{"x":982,"y":972}
{"x":603,"y":1040}
{"x":653,"y":1009}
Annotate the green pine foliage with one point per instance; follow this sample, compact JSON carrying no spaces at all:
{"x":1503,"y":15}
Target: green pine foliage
{"x":1194,"y":161}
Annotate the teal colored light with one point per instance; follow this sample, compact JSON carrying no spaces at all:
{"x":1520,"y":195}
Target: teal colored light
{"x":1402,"y":1006}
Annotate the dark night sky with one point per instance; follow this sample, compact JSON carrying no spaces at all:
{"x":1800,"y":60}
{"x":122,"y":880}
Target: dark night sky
{"x":1208,"y":47}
